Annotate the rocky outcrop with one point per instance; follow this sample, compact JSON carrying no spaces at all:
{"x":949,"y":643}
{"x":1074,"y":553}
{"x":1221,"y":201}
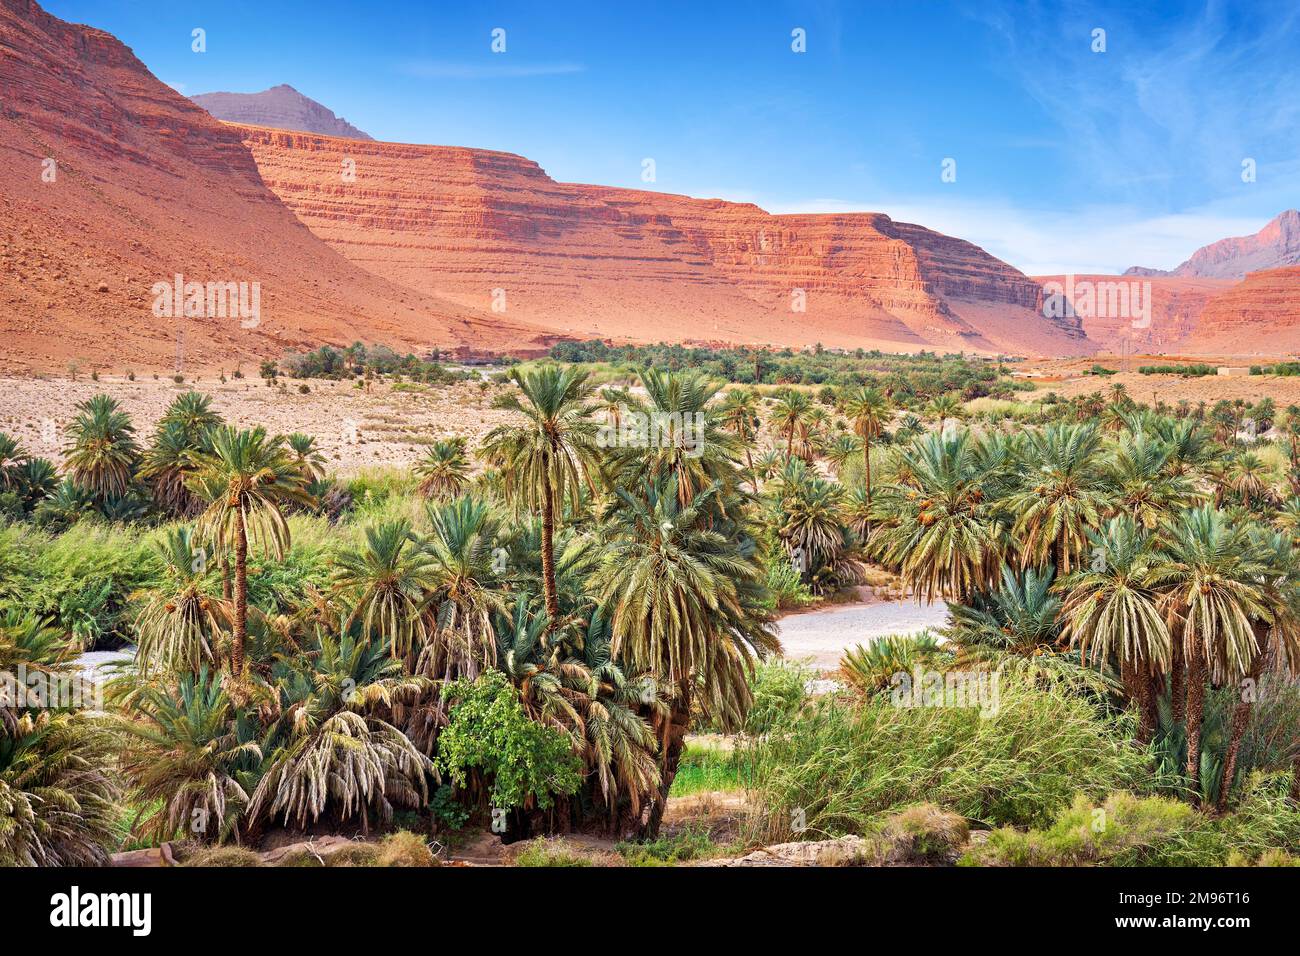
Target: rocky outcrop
{"x":1258,"y":316}
{"x":492,"y":230}
{"x":1151,"y":313}
{"x":1274,"y":246}
{"x":111,"y":182}
{"x":281,"y":107}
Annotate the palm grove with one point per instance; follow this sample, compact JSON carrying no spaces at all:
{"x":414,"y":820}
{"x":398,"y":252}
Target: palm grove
{"x":538,"y":635}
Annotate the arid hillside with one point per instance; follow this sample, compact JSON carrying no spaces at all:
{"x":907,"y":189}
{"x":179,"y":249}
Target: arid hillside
{"x":111,"y":182}
{"x":492,"y":230}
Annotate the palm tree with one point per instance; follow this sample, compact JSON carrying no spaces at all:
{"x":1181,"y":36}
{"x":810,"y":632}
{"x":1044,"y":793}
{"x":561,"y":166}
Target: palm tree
{"x":1056,"y":507}
{"x":307,"y":457}
{"x":1143,"y":481}
{"x":1247,"y":476}
{"x":103,"y":454}
{"x":938,"y":528}
{"x":1277,"y":637}
{"x":193,"y":412}
{"x":687,"y":438}
{"x":12,"y":455}
{"x":1110,"y":613}
{"x":166,"y":465}
{"x":683,"y":603}
{"x":1209,"y":585}
{"x":444,"y":471}
{"x":868,"y":411}
{"x":550,"y":455}
{"x":385,"y":584}
{"x":180,"y":625}
{"x":842,"y":450}
{"x":464,"y":577}
{"x":254,"y":478}
{"x":789,"y":416}
{"x":943,"y":407}
{"x":740,"y":417}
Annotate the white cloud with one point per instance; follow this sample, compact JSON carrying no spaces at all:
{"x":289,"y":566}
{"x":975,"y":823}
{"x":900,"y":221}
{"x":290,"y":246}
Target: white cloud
{"x":1101,"y":239}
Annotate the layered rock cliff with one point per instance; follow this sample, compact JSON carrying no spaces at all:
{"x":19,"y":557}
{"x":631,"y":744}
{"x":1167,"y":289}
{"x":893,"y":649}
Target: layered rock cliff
{"x":110,"y":182}
{"x":492,"y":230}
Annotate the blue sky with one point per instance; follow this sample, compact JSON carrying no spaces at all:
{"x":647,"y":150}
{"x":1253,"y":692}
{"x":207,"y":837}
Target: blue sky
{"x":1065,"y":158}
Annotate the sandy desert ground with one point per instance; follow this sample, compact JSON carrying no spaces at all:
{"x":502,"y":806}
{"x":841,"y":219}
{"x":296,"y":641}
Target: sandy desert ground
{"x":1068,"y":378}
{"x":387,"y":427}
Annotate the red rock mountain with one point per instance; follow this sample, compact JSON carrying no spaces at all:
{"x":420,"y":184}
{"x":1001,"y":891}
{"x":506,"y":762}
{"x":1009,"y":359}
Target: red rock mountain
{"x":282,"y":107}
{"x":111,"y":182}
{"x":1258,"y":316}
{"x":1273,"y":247}
{"x":481,"y":227}
{"x":1176,"y":307}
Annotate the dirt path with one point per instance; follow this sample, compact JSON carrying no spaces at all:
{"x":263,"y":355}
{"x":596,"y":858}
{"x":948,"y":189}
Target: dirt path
{"x":823,"y":635}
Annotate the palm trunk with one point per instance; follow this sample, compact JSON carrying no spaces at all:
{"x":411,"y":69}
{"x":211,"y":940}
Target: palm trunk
{"x":548,"y":553}
{"x":1177,"y":676}
{"x":674,"y":742}
{"x":866,"y":463}
{"x":1149,"y":720}
{"x":1240,"y":719}
{"x":240,"y":635}
{"x":1195,"y":713}
{"x":1137,"y":684}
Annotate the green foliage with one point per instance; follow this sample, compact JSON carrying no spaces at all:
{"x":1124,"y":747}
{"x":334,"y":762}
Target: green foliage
{"x":779,"y":690}
{"x":689,"y":843}
{"x":1016,"y":762}
{"x":1128,"y":830}
{"x":524,"y":762}
{"x":785,"y":586}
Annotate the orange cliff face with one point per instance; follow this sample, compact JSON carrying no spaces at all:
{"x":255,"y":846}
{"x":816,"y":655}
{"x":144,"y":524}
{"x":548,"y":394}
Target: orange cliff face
{"x":111,"y":182}
{"x":1258,"y":316}
{"x":481,"y":228}
{"x":1176,"y":305}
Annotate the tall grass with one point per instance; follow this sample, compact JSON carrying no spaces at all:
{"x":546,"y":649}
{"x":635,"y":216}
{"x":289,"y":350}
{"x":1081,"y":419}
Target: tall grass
{"x":838,"y":765}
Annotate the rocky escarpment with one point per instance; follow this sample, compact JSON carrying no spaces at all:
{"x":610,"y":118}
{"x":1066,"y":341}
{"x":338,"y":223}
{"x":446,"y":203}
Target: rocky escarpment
{"x":282,"y":107}
{"x":492,"y":231}
{"x":111,"y":182}
{"x":1258,"y":316}
{"x":1136,"y":311}
{"x":1273,"y":247}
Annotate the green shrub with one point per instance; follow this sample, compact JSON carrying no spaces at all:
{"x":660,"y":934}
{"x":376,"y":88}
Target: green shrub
{"x":1123,"y":831}
{"x":786,"y":589}
{"x":839,"y":765}
{"x":705,"y":768}
{"x":924,"y":834}
{"x":523,"y":761}
{"x":779,"y":689}
{"x":691,"y":843}
{"x":551,"y":852}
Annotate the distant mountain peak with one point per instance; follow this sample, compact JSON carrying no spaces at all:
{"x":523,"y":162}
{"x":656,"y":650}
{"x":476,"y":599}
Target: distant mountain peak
{"x":1275,"y":246}
{"x":281,"y":107}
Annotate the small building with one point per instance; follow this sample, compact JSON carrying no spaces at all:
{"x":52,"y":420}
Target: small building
{"x":1233,"y":370}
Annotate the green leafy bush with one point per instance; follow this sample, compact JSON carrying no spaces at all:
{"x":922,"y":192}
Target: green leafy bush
{"x":523,"y":761}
